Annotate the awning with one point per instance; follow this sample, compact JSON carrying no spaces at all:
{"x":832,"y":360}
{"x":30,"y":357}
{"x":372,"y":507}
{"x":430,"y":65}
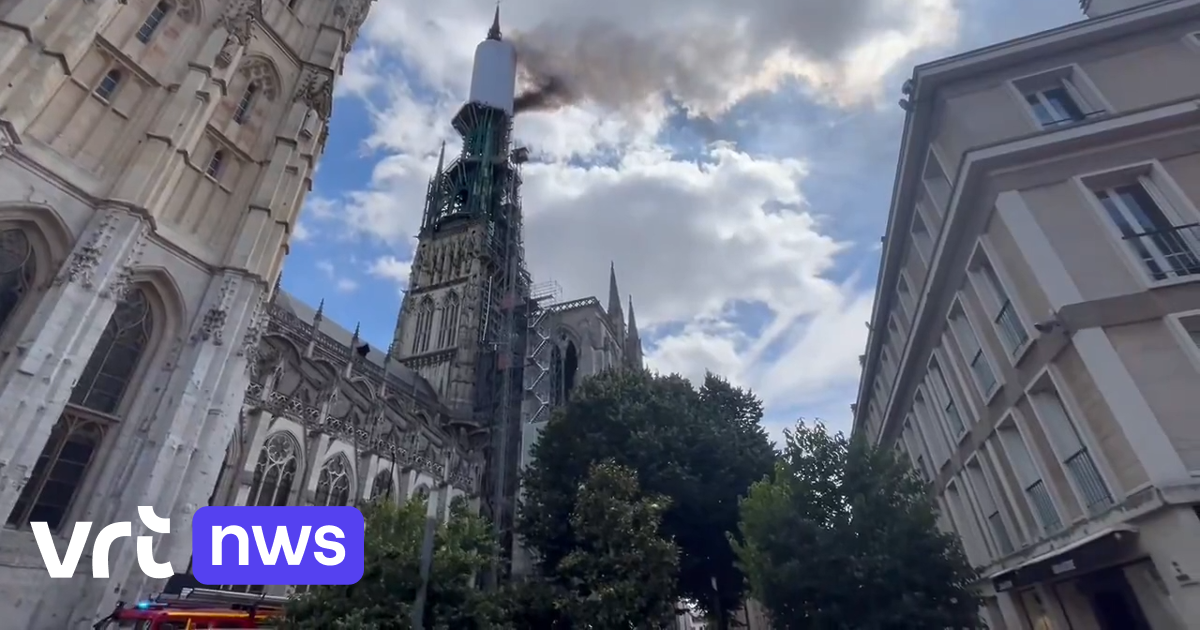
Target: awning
{"x":1086,"y":554}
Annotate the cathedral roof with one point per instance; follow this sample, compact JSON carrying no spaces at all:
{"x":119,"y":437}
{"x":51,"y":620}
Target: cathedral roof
{"x":397,"y":374}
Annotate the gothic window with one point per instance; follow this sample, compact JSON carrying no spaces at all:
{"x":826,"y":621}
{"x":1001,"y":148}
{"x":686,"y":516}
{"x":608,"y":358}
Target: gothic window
{"x":156,"y":17}
{"x":108,"y":85}
{"x":274,"y":472}
{"x":215,"y":164}
{"x":421,"y":493}
{"x":423,"y":327}
{"x":333,"y":485}
{"x":243,"y":109}
{"x":448,"y":328}
{"x":563,"y":365}
{"x":17,"y":268}
{"x":89,"y":415}
{"x":382,"y":486}
{"x":556,"y":375}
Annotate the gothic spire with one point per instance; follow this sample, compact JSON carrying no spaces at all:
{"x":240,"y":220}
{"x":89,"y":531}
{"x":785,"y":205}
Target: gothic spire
{"x":614,"y":296}
{"x":633,"y":331}
{"x":633,"y":341}
{"x":494,"y":33}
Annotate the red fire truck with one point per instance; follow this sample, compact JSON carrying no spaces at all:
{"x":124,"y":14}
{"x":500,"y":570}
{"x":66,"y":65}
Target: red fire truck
{"x":182,"y":607}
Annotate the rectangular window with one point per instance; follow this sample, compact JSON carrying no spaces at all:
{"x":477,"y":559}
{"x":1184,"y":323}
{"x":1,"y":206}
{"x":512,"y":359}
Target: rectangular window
{"x":1056,"y":105}
{"x":931,"y":430}
{"x":1166,"y":247}
{"x":1021,"y":460}
{"x":990,"y":507}
{"x":940,"y":389}
{"x":906,"y":297}
{"x":967,"y":525}
{"x":922,"y":239}
{"x":972,"y":351}
{"x":1064,"y":437}
{"x":917,"y":448}
{"x":937,"y":184}
{"x":999,"y":306}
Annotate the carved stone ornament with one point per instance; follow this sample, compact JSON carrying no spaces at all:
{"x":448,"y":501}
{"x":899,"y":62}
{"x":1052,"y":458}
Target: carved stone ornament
{"x":81,"y":267}
{"x":316,"y":91}
{"x":254,"y":331}
{"x":119,"y":286}
{"x":212,"y":327}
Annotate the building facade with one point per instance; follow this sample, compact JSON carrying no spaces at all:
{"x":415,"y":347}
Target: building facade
{"x":153,"y":157}
{"x":1035,"y":342}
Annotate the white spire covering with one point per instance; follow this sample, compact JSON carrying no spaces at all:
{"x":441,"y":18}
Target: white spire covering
{"x":494,"y":78}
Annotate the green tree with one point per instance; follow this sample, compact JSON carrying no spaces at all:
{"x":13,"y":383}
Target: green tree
{"x":845,"y":537}
{"x":701,"y":449}
{"x":383,"y":598}
{"x":621,"y":573}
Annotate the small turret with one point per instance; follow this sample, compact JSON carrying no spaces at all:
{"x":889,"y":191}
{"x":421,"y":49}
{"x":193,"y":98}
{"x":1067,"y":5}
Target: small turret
{"x":318,"y":317}
{"x":633,"y":342}
{"x":615,"y":316}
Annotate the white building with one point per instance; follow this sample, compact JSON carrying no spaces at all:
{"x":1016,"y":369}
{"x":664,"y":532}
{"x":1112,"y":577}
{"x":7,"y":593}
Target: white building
{"x":1034,"y":340}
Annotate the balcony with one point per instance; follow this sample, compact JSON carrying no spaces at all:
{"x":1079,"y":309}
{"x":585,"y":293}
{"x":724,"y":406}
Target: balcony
{"x":1092,"y":488}
{"x":1168,"y":253}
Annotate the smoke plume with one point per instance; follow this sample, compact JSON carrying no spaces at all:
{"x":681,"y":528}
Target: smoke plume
{"x":707,"y":54}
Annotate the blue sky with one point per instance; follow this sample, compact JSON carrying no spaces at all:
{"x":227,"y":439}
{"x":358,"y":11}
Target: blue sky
{"x":748,"y":237}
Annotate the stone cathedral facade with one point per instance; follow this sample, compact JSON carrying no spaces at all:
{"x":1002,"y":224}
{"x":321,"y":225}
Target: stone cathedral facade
{"x":153,"y":158}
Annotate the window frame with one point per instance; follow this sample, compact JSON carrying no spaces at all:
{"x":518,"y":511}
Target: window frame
{"x":1078,"y":85}
{"x":1172,"y":202}
{"x":1017,"y":420}
{"x":109,"y":97}
{"x":935,"y":392}
{"x":982,"y":353}
{"x":983,"y":254}
{"x":1048,"y":377}
{"x":153,"y":29}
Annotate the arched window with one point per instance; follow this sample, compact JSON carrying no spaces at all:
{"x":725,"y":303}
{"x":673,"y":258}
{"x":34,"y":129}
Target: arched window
{"x":91,"y":412}
{"x":292,"y":4}
{"x":333,"y":485}
{"x":108,"y":85}
{"x":448,"y":327}
{"x":382,"y":486}
{"x":421,"y":493}
{"x":243,"y":109}
{"x":215,"y":164}
{"x":17,"y":269}
{"x":156,"y":17}
{"x":557,"y":395}
{"x":274,"y":472}
{"x":423,"y":327}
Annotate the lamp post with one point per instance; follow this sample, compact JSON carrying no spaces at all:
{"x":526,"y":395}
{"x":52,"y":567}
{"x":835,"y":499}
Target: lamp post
{"x":433,"y":514}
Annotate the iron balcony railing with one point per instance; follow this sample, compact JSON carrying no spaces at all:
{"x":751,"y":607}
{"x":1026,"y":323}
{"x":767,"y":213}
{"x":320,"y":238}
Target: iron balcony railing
{"x":1169,"y":252}
{"x":1012,"y":331}
{"x":1039,"y":497}
{"x":1091,"y":485}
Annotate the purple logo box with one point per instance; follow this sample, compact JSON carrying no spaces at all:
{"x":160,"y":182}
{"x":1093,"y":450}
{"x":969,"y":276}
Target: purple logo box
{"x":233,"y":545}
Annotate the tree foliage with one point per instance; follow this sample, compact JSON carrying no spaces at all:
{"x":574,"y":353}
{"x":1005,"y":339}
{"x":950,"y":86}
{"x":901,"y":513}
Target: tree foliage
{"x":383,"y":598}
{"x":845,"y":536}
{"x":621,"y":573}
{"x":701,"y":449}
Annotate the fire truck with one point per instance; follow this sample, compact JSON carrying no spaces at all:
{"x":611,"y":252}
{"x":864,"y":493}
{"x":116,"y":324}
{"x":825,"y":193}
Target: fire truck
{"x":185,"y":604}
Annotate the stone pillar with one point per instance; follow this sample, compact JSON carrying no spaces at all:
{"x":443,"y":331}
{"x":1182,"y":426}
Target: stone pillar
{"x":58,"y":341}
{"x":179,"y":450}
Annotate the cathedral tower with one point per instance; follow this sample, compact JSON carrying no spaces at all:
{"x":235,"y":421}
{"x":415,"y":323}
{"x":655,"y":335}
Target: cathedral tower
{"x":462,"y":321}
{"x":154,"y":155}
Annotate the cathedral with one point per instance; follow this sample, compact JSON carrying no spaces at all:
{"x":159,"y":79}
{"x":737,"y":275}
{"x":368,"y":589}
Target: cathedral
{"x":154,"y":156}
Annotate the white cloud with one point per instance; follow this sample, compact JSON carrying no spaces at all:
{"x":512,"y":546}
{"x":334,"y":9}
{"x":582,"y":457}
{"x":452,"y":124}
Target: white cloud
{"x":300,"y":232}
{"x":693,"y":235}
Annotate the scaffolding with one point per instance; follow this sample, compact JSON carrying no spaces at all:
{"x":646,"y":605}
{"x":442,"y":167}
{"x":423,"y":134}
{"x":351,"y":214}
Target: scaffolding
{"x":481,"y":189}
